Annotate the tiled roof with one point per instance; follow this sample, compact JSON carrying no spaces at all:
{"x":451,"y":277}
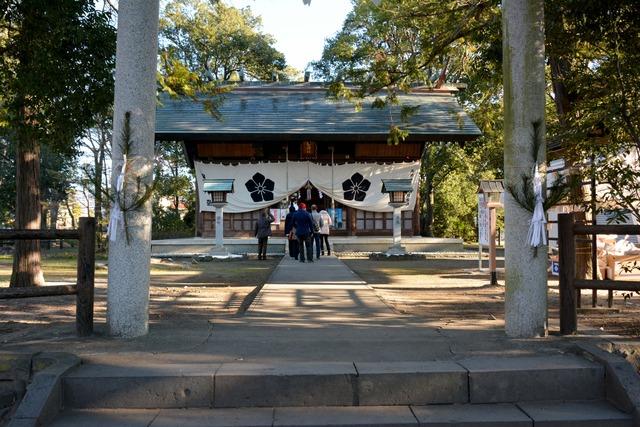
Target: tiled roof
{"x":303,"y":110}
{"x":391,"y":185}
{"x":491,"y":186}
{"x":225,"y":185}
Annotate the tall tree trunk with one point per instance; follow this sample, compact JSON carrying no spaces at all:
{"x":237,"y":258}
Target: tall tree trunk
{"x":27,"y":270}
{"x":524,"y":105}
{"x":70,"y":211}
{"x":135,"y":87}
{"x":427,"y":210}
{"x":54,"y":209}
{"x":175,"y":171}
{"x":560,"y":69}
{"x":97,"y":184}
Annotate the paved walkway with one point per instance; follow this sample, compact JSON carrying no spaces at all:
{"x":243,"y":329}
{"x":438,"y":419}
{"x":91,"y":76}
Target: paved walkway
{"x":318,"y":311}
{"x":322,"y":311}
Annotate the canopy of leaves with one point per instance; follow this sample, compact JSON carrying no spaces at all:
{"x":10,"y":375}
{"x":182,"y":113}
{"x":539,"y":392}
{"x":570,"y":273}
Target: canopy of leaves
{"x":211,"y":42}
{"x":56,"y":68}
{"x":174,"y":196}
{"x":401,"y":43}
{"x":593,"y":50}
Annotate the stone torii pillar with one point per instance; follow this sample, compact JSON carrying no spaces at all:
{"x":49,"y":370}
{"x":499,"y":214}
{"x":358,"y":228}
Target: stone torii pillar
{"x":524,"y":100}
{"x":135,"y":92}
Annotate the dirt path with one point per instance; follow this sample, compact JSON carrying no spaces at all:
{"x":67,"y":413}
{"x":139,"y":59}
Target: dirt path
{"x":452,"y":290}
{"x":180,"y":290}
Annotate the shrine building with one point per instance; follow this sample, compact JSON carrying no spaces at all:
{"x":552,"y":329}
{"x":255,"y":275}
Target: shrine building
{"x":285,"y":142}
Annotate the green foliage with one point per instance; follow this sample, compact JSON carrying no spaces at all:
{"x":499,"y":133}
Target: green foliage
{"x":396,"y":44}
{"x":456,"y":206}
{"x":205,"y":42}
{"x":174,"y":200}
{"x":56,"y":68}
{"x":593,"y":50}
{"x":7,"y":182}
{"x":57,"y":174}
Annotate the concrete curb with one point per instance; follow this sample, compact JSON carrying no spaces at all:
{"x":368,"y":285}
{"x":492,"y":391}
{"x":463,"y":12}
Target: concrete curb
{"x":43,"y":399}
{"x":622,"y":383}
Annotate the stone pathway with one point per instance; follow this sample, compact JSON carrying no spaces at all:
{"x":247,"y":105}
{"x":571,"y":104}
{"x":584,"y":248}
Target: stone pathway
{"x":325,"y":292}
{"x":322,"y":311}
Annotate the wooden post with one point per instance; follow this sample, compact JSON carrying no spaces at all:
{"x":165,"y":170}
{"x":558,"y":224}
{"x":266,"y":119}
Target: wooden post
{"x":583,"y":249}
{"x":85,"y":280}
{"x":492,"y":246}
{"x":567,"y":259}
{"x":415,"y":217}
{"x":351,"y":221}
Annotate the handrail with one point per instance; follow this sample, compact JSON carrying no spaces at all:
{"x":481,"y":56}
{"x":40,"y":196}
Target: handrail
{"x":85,"y":280}
{"x":569,"y":285}
{"x":39,"y":234}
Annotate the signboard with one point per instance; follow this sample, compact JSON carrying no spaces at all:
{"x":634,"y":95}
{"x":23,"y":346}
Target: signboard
{"x":555,"y":268}
{"x":483,"y":221}
{"x":276,"y":216}
{"x":338,"y":221}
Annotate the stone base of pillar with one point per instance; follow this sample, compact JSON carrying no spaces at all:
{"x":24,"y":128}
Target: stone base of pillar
{"x":219,"y":250}
{"x":396,"y":250}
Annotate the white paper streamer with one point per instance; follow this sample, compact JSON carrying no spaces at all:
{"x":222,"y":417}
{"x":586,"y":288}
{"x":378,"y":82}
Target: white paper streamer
{"x":537,"y":229}
{"x":117,"y":216}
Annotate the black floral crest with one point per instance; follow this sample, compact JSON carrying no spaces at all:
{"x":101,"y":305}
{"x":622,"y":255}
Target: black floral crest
{"x":260,"y":188}
{"x":356,"y":187}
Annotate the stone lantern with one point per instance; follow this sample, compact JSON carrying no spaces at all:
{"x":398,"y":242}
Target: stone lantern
{"x":218,"y":190}
{"x":398,"y":191}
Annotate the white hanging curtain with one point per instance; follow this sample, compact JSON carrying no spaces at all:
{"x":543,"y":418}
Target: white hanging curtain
{"x":258,"y":185}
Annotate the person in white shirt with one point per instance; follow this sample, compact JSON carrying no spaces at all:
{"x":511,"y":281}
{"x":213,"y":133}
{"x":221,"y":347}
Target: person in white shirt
{"x":324,"y":231}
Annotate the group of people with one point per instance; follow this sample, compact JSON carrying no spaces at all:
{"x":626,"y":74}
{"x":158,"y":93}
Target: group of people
{"x":306,"y":230}
{"x":303,"y":229}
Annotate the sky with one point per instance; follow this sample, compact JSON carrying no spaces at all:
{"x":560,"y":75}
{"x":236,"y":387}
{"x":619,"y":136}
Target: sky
{"x":299,"y":30}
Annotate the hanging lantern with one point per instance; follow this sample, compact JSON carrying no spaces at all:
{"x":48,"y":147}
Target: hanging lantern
{"x":308,"y":150}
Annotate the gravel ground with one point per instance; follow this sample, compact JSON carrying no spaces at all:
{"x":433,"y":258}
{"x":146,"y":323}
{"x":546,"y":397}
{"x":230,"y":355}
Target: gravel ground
{"x":451,"y":289}
{"x":179,"y":290}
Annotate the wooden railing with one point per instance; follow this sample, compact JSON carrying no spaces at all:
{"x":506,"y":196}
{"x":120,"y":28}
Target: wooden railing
{"x":570,"y":286}
{"x":84,"y":287}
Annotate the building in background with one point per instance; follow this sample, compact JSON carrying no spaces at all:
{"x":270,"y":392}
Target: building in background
{"x":285,"y":143}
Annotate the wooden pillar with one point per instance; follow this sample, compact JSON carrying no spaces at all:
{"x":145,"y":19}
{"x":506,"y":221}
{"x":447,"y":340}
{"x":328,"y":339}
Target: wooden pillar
{"x":86,"y":274}
{"x":583,"y":251}
{"x":351,"y":228}
{"x":416,"y":215}
{"x":492,"y":246}
{"x":199,"y":222}
{"x":567,"y":260}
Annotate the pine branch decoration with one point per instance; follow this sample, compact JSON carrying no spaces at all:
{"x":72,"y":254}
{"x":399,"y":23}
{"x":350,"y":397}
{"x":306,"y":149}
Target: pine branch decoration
{"x":128,"y":203}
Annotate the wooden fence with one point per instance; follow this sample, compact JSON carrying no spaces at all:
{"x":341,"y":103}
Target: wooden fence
{"x":84,"y":287}
{"x":570,"y":286}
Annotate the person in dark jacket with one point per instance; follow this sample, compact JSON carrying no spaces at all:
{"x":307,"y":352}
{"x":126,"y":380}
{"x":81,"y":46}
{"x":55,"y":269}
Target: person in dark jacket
{"x":263,"y":231}
{"x":290,"y":234}
{"x":303,"y":223}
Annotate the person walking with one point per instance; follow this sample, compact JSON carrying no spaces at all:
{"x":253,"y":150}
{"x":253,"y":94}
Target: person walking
{"x":303,"y":224}
{"x":317,"y":226}
{"x":263,"y":231}
{"x":290,"y":234}
{"x":324,"y":231}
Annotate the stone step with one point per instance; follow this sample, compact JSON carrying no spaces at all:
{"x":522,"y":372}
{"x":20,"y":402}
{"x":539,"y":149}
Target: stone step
{"x":233,"y":385}
{"x":553,"y":414}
